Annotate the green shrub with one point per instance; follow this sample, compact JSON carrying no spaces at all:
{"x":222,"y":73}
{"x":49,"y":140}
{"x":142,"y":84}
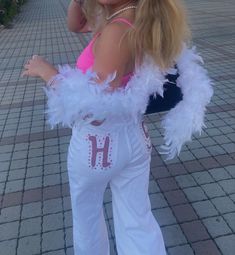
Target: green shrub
{"x":8,"y":9}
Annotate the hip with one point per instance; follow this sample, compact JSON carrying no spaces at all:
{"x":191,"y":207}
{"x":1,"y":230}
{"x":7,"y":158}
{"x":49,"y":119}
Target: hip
{"x":109,"y":145}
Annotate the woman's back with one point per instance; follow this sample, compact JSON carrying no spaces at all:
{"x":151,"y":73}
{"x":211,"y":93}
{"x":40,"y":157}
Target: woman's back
{"x":108,"y":52}
{"x":86,"y":59}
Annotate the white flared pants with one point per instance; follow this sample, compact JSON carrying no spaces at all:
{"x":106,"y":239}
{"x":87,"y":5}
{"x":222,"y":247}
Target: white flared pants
{"x":118,"y":154}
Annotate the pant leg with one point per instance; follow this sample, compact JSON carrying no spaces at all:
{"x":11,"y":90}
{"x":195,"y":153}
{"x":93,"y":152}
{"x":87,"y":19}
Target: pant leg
{"x":93,"y":159}
{"x":136,"y":230}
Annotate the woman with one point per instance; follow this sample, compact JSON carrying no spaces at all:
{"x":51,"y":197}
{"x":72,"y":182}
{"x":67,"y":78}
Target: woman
{"x":103,"y":99}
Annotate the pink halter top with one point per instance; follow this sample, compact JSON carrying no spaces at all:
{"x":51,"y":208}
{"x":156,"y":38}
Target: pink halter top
{"x":86,"y":59}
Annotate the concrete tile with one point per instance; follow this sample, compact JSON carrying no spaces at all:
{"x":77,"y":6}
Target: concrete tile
{"x":5,"y":156}
{"x":157,"y":201}
{"x":175,"y":197}
{"x":20,"y":154}
{"x":107,"y":196}
{"x":57,"y":252}
{"x":209,"y":163}
{"x":69,"y":251}
{"x":200,"y":153}
{"x":159,"y":172}
{"x":213,"y":190}
{"x":228,"y":186}
{"x":184,"y":212}
{"x":181,"y":250}
{"x":205,"y":208}
{"x":193,"y":166}
{"x":35,"y":152}
{"x":164,"y":216}
{"x":68,"y":221}
{"x":226,"y":244}
{"x":216,"y":226}
{"x":69,"y":237}
{"x":10,"y":214}
{"x":6,"y":148}
{"x":228,"y":147}
{"x":223,"y":204}
{"x":9,"y":247}
{"x":50,"y":159}
{"x":52,"y":206}
{"x":32,"y":195}
{"x":231,"y":170}
{"x":195,"y":144}
{"x":65,"y":178}
{"x":215,"y":150}
{"x":16,"y":174}
{"x":53,"y":240}
{"x":51,"y":169}
{"x":5,"y":166}
{"x":205,"y":248}
{"x":51,"y":150}
{"x":30,"y":226}
{"x":202,"y":177}
{"x":2,"y":187}
{"x":219,"y":174}
{"x":52,"y":222}
{"x":18,"y":164}
{"x":199,"y":232}
{"x":12,"y":199}
{"x":186,"y":156}
{"x":230,"y":219}
{"x":29,"y":245}
{"x":67,"y":203}
{"x":110,"y":226}
{"x":153,"y":187}
{"x":108,"y":210}
{"x":33,"y":172}
{"x":51,"y":192}
{"x":185,"y":181}
{"x":38,"y":161}
{"x":9,"y":230}
{"x":31,"y":210}
{"x":177,"y":169}
{"x":50,"y":180}
{"x":173,"y":235}
{"x":33,"y":183}
{"x":3,"y":176}
{"x":13,"y":186}
{"x":195,"y":194}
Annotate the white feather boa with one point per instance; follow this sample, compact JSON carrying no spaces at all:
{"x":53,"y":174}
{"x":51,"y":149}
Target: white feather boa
{"x":187,"y":117}
{"x":76,"y":98}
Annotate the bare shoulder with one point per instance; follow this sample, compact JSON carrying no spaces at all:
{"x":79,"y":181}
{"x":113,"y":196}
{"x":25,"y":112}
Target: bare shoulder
{"x":115,"y":29}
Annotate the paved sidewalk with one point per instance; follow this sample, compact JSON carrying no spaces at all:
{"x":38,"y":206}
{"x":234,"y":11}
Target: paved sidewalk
{"x":193,"y":196}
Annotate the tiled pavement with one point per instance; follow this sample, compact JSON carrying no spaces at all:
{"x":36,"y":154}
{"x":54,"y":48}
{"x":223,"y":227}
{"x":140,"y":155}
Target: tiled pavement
{"x":193,"y":196}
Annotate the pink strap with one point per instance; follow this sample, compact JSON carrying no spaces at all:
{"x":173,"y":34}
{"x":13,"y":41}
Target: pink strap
{"x":124,"y":21}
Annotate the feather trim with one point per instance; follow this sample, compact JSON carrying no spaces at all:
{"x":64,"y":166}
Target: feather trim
{"x":76,"y":97}
{"x":187,"y":117}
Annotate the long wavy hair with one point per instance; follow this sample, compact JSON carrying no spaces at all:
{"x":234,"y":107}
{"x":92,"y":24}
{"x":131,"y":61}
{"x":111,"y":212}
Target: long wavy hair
{"x":161,"y":27}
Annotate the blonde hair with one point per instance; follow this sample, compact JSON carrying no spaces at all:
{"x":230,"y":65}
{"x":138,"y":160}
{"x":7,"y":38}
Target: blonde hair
{"x":160,"y":29}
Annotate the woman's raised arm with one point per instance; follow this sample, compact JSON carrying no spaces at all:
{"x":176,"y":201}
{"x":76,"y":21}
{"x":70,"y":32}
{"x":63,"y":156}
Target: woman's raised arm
{"x":76,"y":20}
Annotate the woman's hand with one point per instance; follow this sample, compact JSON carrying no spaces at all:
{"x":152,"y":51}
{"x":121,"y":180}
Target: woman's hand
{"x":38,"y":67}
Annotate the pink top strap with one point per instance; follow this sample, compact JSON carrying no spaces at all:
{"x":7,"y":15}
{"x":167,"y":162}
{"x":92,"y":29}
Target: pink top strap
{"x":123,"y":20}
